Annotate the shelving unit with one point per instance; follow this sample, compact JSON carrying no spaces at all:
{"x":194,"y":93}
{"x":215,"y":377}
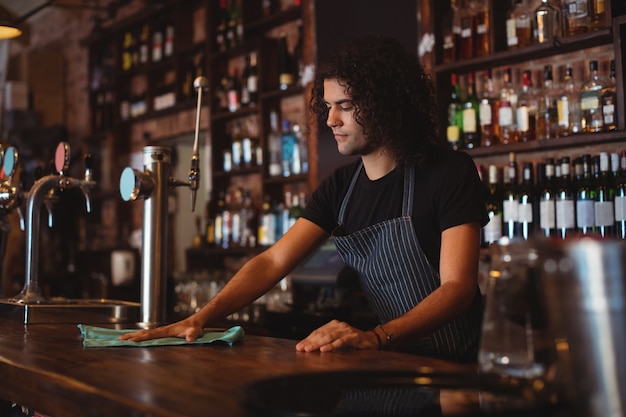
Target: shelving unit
{"x":609,"y":37}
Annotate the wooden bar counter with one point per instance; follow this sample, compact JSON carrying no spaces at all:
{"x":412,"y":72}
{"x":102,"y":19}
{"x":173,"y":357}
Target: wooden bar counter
{"x":46,"y":368}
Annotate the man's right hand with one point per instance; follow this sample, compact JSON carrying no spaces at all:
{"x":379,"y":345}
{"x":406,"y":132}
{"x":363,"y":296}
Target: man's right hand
{"x":185,"y":329}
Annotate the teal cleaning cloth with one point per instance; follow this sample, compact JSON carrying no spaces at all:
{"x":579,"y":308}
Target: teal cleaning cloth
{"x":103,"y":337}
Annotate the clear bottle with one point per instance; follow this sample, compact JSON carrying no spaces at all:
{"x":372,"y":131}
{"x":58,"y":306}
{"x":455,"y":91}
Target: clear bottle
{"x":604,"y":210}
{"x":303,"y":148}
{"x":548,"y":118}
{"x":518,"y":25}
{"x":568,"y":105}
{"x":274,"y":146}
{"x":565,"y":201}
{"x":527,"y":108}
{"x":608,"y":100}
{"x":507,"y":108}
{"x":471,"y":121}
{"x":492,"y":231}
{"x":455,"y":115}
{"x":546,"y":23}
{"x":585,"y":199}
{"x":526,"y":202}
{"x":591,"y":111}
{"x":575,"y":17}
{"x":597,"y":14}
{"x":451,"y":33}
{"x":288,"y":144}
{"x":488,"y":111}
{"x":510,"y":199}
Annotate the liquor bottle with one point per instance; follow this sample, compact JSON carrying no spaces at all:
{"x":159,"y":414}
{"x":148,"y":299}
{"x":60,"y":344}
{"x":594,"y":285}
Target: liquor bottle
{"x":482,"y":45}
{"x":488,"y":112}
{"x":518,"y":25}
{"x":510,"y":199}
{"x":168,"y":41}
{"x":471,"y":117}
{"x":127,"y":52}
{"x":590,"y":91}
{"x":303,"y":150}
{"x":236,"y":220}
{"x":468,"y":30}
{"x":295,"y":210}
{"x":298,"y":56}
{"x":253,"y":79}
{"x":222,"y":24}
{"x":268,"y":7}
{"x":157,"y":43}
{"x":565,"y":201}
{"x":288,"y":144}
{"x":285,"y":72}
{"x":585,"y":199}
{"x":527,"y":206}
{"x":547,"y":201}
{"x":527,"y":108}
{"x":451,"y":33}
{"x":604,"y":209}
{"x":227,"y":221}
{"x":548,"y":119}
{"x":620,"y":198}
{"x":546,"y":23}
{"x":232,"y":36}
{"x":492,"y":231}
{"x":455,"y":115}
{"x":597,"y":14}
{"x":267,"y":223}
{"x":568,"y":106}
{"x":144,"y":44}
{"x":575,"y":17}
{"x":234,"y":92}
{"x":608,"y":100}
{"x":274,"y":146}
{"x":507,"y":109}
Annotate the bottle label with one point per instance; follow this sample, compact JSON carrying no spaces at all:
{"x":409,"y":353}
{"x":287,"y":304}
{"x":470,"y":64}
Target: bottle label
{"x":585,"y":216}
{"x":620,"y":208}
{"x":510,"y":210}
{"x":453,"y":133}
{"x":565,"y":218}
{"x":525,"y":213}
{"x":522,"y":119}
{"x":604,"y":215}
{"x":484,"y":111}
{"x":511,"y":32}
{"x":589,"y":100}
{"x":505,"y":116}
{"x":469,"y":120}
{"x":547,"y":214}
{"x":608,"y":111}
{"x":562,"y":108}
{"x":493,"y":230}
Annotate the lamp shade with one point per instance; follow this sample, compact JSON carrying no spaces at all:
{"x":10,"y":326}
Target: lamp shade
{"x":8,"y":30}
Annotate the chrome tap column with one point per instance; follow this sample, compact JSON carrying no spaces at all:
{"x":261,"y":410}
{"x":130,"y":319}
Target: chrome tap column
{"x":152,"y":186}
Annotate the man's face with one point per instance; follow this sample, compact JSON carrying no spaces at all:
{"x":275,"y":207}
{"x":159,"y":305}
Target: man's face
{"x":348,"y":133}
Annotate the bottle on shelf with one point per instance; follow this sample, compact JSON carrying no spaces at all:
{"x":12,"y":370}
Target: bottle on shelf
{"x":127,"y":53}
{"x":252,"y":80}
{"x":527,"y":110}
{"x":547,"y":120}
{"x":585,"y":199}
{"x":604,"y":209}
{"x":267,"y":223}
{"x":468,"y":30}
{"x":620,"y":198}
{"x":568,"y":105}
{"x":510,"y":199}
{"x":157,"y":42}
{"x":547,"y":200}
{"x":518,"y":25}
{"x":546,"y":22}
{"x":591,"y":112}
{"x":220,"y":29}
{"x":144,"y":44}
{"x":608,"y":100}
{"x":285,"y":72}
{"x":575,"y":17}
{"x":565,"y":201}
{"x":288,"y":145}
{"x":597,"y":15}
{"x":471,"y":116}
{"x":527,"y":205}
{"x":492,"y":231}
{"x":168,"y":41}
{"x":507,"y":109}
{"x":482,"y":44}
{"x":244,"y":94}
{"x":452,"y":33}
{"x":268,"y":7}
{"x":455,"y":115}
{"x":298,"y":55}
{"x":488,"y":111}
{"x":274,"y":146}
{"x":303,"y":152}
{"x":234,"y":92}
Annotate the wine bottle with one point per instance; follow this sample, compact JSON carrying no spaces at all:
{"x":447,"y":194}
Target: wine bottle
{"x":565,"y":201}
{"x":604,"y":196}
{"x":468,"y":30}
{"x":590,"y":91}
{"x":620,"y":198}
{"x":471,"y":117}
{"x":455,"y":115}
{"x":253,"y":80}
{"x":527,"y":206}
{"x":510,"y":200}
{"x":547,"y":201}
{"x":492,"y":231}
{"x":451,"y":33}
{"x":585,"y":199}
{"x":285,"y":72}
{"x":488,"y":112}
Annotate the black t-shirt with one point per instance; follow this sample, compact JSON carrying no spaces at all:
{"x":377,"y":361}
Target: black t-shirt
{"x":448,"y":192}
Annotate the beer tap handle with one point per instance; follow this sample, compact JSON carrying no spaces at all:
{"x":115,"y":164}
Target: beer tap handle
{"x":89,"y":168}
{"x":200,"y":84}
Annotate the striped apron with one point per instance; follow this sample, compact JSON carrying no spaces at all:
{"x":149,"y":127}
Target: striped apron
{"x":396,"y":275}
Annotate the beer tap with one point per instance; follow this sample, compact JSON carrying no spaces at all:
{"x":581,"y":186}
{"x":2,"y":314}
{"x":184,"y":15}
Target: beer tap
{"x":152,"y":185}
{"x":35,"y":198}
{"x":10,"y":195}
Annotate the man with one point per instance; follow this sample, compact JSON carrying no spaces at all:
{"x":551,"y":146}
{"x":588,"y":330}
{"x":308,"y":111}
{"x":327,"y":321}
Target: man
{"x":406,"y":216}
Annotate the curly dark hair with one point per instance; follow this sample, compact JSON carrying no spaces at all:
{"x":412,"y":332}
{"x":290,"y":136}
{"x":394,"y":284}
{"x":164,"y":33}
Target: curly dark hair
{"x":393,"y":96}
